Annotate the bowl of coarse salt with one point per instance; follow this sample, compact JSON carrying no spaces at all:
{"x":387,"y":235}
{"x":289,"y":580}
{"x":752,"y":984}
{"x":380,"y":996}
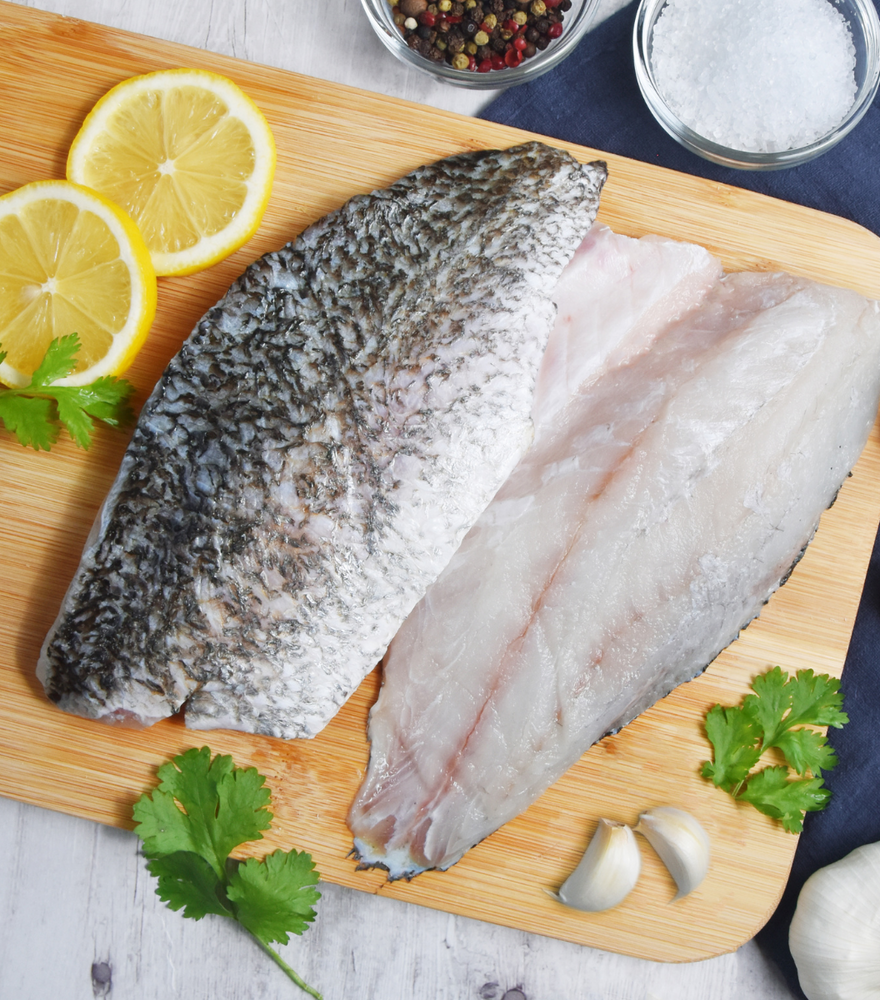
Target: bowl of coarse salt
{"x":757,"y":84}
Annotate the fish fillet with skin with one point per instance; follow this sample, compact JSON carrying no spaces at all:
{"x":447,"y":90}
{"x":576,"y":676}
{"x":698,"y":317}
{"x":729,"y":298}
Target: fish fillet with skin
{"x":637,"y":537}
{"x":312,"y":457}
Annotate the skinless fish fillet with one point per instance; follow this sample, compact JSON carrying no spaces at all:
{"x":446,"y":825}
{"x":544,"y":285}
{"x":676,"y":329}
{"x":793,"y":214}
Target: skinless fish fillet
{"x":647,"y":525}
{"x":312,"y":457}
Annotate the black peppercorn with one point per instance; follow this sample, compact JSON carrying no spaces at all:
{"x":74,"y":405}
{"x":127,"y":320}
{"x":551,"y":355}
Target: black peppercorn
{"x":479,"y":34}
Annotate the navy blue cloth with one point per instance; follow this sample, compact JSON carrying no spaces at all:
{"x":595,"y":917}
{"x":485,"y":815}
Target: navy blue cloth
{"x":593,"y":99}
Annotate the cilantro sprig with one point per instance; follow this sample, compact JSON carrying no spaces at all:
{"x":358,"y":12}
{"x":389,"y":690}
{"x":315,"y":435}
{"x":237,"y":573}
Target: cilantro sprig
{"x":775,"y":716}
{"x":36,"y":412}
{"x":202,"y":810}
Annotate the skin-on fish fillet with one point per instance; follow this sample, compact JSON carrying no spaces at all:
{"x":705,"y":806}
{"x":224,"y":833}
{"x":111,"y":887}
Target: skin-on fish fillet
{"x":313,"y":456}
{"x":647,"y":525}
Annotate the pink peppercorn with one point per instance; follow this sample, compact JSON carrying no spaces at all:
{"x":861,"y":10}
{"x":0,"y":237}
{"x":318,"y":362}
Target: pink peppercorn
{"x":501,"y":34}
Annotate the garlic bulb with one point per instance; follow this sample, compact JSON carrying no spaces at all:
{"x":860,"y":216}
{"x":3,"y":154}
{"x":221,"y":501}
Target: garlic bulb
{"x":607,"y":872}
{"x":835,"y":932}
{"x":681,"y":843}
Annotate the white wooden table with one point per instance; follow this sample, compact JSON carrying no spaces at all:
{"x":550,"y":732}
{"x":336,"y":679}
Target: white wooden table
{"x":79,"y":917}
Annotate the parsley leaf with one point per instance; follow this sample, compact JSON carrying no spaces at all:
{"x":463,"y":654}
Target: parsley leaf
{"x":202,"y":810}
{"x":774,"y":717}
{"x":34,"y":413}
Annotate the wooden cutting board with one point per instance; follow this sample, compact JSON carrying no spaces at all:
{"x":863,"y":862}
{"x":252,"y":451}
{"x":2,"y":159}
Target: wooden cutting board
{"x":334,"y":142}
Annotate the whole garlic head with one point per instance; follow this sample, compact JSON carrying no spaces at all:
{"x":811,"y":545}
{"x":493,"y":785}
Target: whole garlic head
{"x":835,"y":932}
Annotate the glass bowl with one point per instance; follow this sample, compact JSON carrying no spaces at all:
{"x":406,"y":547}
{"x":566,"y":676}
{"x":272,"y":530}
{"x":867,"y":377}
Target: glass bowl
{"x":576,"y":22}
{"x":864,"y":24}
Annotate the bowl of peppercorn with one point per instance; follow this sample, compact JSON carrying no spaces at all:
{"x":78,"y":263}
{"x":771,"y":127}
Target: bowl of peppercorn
{"x":481,"y":44}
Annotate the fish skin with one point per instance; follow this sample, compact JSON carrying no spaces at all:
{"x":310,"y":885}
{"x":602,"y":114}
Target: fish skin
{"x":314,"y":454}
{"x":595,"y":637}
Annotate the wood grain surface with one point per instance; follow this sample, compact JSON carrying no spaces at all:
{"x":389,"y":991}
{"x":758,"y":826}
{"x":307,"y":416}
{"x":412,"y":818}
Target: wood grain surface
{"x":334,"y":142}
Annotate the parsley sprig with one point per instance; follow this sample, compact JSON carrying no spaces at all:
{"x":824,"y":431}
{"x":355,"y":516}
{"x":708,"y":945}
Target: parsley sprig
{"x":35,"y":413}
{"x":775,"y":717}
{"x":202,"y":810}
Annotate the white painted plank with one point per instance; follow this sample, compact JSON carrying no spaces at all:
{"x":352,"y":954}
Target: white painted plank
{"x":80,"y":919}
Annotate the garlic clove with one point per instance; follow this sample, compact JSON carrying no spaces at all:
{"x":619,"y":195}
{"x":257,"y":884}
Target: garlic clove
{"x":834,"y":935}
{"x":681,"y":843}
{"x":607,"y":872}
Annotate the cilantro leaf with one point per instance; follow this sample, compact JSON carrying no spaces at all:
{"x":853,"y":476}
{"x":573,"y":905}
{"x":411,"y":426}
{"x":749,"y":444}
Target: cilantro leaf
{"x":774,"y":716}
{"x":221,"y":807}
{"x":816,"y":700}
{"x":33,"y":412}
{"x":774,"y":793}
{"x":780,"y":702}
{"x":75,"y":419}
{"x":202,"y":810}
{"x":188,"y":882}
{"x":806,"y":750}
{"x":274,"y":897}
{"x":107,"y":399}
{"x":58,"y":361}
{"x":29,"y":419}
{"x":772,"y":699}
{"x":736,"y":741}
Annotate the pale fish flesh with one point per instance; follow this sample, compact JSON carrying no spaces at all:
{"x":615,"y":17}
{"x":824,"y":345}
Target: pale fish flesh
{"x":313,"y":456}
{"x":639,"y":535}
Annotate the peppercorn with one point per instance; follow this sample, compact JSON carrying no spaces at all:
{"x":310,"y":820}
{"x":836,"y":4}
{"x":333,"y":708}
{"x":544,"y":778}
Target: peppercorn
{"x":479,"y":35}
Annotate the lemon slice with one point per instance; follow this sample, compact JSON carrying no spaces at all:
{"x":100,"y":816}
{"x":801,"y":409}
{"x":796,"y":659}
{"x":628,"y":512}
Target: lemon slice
{"x":71,"y":262}
{"x":188,"y":155}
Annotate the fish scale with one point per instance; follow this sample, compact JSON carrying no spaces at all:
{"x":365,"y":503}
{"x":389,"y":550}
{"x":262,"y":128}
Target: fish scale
{"x":311,"y":458}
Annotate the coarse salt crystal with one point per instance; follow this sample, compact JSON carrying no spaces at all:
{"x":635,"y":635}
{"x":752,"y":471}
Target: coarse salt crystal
{"x":755,"y":75}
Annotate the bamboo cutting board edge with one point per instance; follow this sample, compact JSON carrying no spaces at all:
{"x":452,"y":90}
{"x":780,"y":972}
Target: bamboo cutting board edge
{"x":328,"y":151}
